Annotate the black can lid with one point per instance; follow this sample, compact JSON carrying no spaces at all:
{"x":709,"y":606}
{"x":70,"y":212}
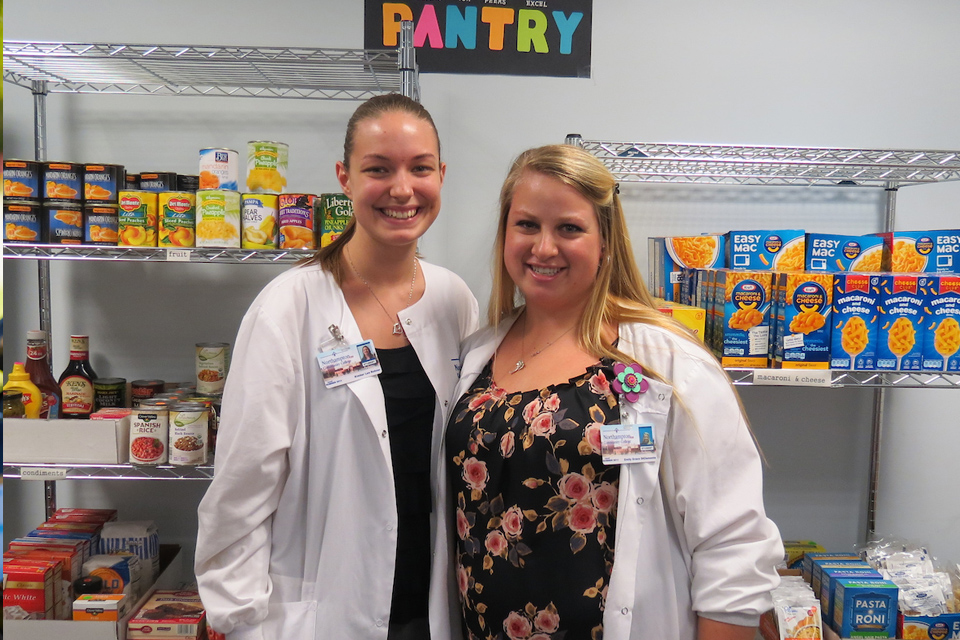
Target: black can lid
{"x":87,"y":585}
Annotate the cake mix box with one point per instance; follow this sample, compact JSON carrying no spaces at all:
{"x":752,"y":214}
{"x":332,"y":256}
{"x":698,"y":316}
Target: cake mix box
{"x":804,"y":305}
{"x":941,"y":341}
{"x":865,"y":608}
{"x":901,"y":332}
{"x":778,"y":250}
{"x":170,"y":615}
{"x":743,"y":320}
{"x":668,"y":256}
{"x":924,"y":251}
{"x":831,"y":253}
{"x":853,"y":342}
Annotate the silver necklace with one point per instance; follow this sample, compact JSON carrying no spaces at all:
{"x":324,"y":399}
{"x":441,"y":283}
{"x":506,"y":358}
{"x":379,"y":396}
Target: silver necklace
{"x":520,"y":363}
{"x":397,"y":327}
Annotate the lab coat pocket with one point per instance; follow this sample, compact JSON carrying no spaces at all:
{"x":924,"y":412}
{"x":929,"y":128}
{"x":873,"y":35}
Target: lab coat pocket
{"x":651,"y":409}
{"x":291,"y":620}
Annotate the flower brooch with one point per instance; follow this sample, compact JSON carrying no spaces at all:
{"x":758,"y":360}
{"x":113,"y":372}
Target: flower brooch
{"x":629,"y":381}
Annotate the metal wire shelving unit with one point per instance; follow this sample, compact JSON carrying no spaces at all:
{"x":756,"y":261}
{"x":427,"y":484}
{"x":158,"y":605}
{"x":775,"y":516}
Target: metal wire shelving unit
{"x":151,"y":254}
{"x":114,"y":471}
{"x":744,"y":165}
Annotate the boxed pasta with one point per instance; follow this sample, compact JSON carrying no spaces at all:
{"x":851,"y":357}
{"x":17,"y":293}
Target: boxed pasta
{"x":670,"y":255}
{"x":941,"y":342}
{"x":804,"y":305}
{"x":865,"y":608}
{"x":924,"y":251}
{"x":828,"y":583}
{"x":901,"y":332}
{"x":778,"y":250}
{"x":946,"y":626}
{"x":853,"y":343}
{"x":822,"y":564}
{"x":830,"y":252}
{"x":743,"y":327}
{"x":813,"y":559}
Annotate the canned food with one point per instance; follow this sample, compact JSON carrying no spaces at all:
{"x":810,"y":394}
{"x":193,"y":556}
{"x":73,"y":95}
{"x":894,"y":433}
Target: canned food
{"x":62,"y":181}
{"x":189,"y":429}
{"x":103,"y":182}
{"x":218,"y":218}
{"x":109,"y":392}
{"x":297,"y":221}
{"x":138,"y":219}
{"x":178,"y":217}
{"x":259,"y":221}
{"x":213,"y":404}
{"x":213,"y":359}
{"x":267,"y":166}
{"x":101,"y":224}
{"x":158,"y":182}
{"x":63,"y":221}
{"x":333,"y":212}
{"x":188,"y":183}
{"x":131,"y":182}
{"x":219,"y":169}
{"x":21,"y":179}
{"x":142,"y":390}
{"x":149,"y":429}
{"x":22,"y":222}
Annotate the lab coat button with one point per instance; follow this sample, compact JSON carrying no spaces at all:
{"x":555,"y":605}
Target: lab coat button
{"x":639,"y":500}
{"x":408,"y":322}
{"x":446,"y":402}
{"x":383,"y":434}
{"x":624,"y":611}
{"x":389,"y":527}
{"x":379,"y":622}
{"x":659,"y":396}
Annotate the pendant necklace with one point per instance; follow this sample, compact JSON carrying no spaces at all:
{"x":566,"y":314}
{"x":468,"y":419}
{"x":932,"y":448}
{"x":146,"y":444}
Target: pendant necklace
{"x":520,"y":363}
{"x":397,"y":327}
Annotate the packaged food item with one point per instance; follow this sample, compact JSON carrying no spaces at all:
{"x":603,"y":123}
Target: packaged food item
{"x":335,"y":211}
{"x":188,"y":182}
{"x":62,"y":181}
{"x":297,"y":230}
{"x":142,"y":390}
{"x":189,"y":428}
{"x":148,"y":434}
{"x":31,"y":397}
{"x":219,"y":169}
{"x":830,"y":576}
{"x":670,"y":255}
{"x":31,"y":589}
{"x":84,"y":515}
{"x":259,"y":212}
{"x":101,"y":224}
{"x":170,"y":615}
{"x":267,"y":166}
{"x":795,"y":550}
{"x":138,"y":537}
{"x":213,"y":360}
{"x":100,"y":607}
{"x":21,"y":179}
{"x":218,"y":218}
{"x":924,"y":251}
{"x":901,"y":332}
{"x":63,"y":221}
{"x":103,"y":182}
{"x":805,"y":301}
{"x":138,"y":219}
{"x":76,"y":381}
{"x":776,"y":250}
{"x":743,"y":325}
{"x":131,"y":182}
{"x":831,"y":253}
{"x":109,"y":393}
{"x":22,"y":222}
{"x":813,"y":559}
{"x":116,"y":571}
{"x":158,"y":182}
{"x":13,"y":404}
{"x":693,"y":318}
{"x":178,"y":218}
{"x":941,"y":341}
{"x":853,"y":341}
{"x":865,"y":608}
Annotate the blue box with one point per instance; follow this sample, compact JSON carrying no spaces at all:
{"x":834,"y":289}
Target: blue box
{"x":855,"y":319}
{"x":832,"y":253}
{"x":669,"y":256}
{"x":924,"y":251}
{"x":902,"y":321}
{"x":941,"y":350}
{"x":865,"y":608}
{"x":777,"y":250}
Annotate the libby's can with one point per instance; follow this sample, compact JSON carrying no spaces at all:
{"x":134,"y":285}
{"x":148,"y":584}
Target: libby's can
{"x":213,"y":359}
{"x":62,"y":181}
{"x":101,"y":224}
{"x":21,"y":179}
{"x":109,"y":392}
{"x":218,"y":218}
{"x":219,"y":169}
{"x":138,"y":219}
{"x":157,"y":182}
{"x":189,"y":428}
{"x":149,"y":429}
{"x":22,"y":222}
{"x":142,"y":390}
{"x":267,"y":166}
{"x":258,"y":221}
{"x":103,"y":182}
{"x":177,"y":218}
{"x":63,"y":221}
{"x":297,"y":230}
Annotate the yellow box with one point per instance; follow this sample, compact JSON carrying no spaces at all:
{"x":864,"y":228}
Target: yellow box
{"x":693,"y":318}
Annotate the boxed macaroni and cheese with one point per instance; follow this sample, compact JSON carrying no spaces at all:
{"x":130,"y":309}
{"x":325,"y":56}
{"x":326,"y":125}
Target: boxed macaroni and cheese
{"x":901,"y":332}
{"x":778,"y":250}
{"x":831,"y":252}
{"x":743,"y":317}
{"x":668,"y":256}
{"x":941,"y":342}
{"x":853,"y":343}
{"x":924,"y":251}
{"x":804,"y":304}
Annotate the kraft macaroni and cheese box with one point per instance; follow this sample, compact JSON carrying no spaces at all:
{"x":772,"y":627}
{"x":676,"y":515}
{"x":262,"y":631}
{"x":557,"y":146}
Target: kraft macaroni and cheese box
{"x":743,"y":320}
{"x":829,"y":252}
{"x":865,"y":608}
{"x":941,"y":341}
{"x":828,"y":583}
{"x":901,"y":332}
{"x":924,"y":251}
{"x":943,"y":627}
{"x":803,"y":331}
{"x":853,"y":341}
{"x":670,"y":255}
{"x":778,"y":250}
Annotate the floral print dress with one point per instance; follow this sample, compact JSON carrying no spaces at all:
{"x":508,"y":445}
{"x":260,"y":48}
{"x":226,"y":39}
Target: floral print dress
{"x":535,"y":507}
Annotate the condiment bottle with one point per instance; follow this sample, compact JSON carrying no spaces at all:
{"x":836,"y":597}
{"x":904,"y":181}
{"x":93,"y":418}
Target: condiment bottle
{"x":13,"y":404}
{"x":19,"y":380}
{"x":76,"y":381}
{"x":38,"y":366}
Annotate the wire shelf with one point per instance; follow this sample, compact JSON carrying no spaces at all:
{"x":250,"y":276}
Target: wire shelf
{"x":202,"y":70}
{"x":862,"y":379}
{"x":683,"y":163}
{"x":152,"y":254}
{"x":114,"y":471}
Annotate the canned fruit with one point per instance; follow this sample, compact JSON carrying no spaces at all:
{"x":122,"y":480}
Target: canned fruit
{"x":138,"y":219}
{"x":146,"y":449}
{"x":177,"y":219}
{"x":219,"y":169}
{"x":335,"y":212}
{"x":21,"y":222}
{"x":62,"y":181}
{"x":267,"y":166}
{"x":64,"y":223}
{"x":101,"y":224}
{"x":297,"y":221}
{"x":158,"y":182}
{"x":218,"y":218}
{"x":102,"y":182}
{"x":21,"y":179}
{"x":259,"y":221}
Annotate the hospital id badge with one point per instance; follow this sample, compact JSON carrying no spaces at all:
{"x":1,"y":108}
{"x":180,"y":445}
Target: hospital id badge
{"x":627,"y":443}
{"x":343,"y":365}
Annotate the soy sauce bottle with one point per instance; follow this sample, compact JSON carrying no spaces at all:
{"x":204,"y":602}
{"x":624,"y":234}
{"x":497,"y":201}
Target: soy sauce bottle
{"x":76,"y":381}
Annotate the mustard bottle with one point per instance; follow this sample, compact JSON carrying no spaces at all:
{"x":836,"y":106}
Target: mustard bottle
{"x":19,"y":379}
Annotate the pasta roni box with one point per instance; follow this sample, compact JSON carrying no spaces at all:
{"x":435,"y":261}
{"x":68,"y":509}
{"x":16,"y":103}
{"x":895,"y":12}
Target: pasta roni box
{"x":924,"y":251}
{"x":812,"y":559}
{"x":941,"y":342}
{"x":828,"y":252}
{"x":853,"y":341}
{"x":900,"y":336}
{"x":946,"y":626}
{"x":804,"y":304}
{"x":780,"y":250}
{"x":828,"y":583}
{"x":865,"y":608}
{"x":668,"y":256}
{"x":743,"y":318}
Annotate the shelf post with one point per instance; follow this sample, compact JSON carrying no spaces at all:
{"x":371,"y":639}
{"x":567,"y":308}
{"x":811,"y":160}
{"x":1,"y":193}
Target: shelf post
{"x":409,"y":85}
{"x":574,"y":139}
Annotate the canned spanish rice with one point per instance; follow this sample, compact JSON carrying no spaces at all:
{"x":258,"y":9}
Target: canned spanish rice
{"x":149,"y":427}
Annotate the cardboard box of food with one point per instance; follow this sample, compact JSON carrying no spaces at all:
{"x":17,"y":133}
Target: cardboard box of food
{"x":65,"y":441}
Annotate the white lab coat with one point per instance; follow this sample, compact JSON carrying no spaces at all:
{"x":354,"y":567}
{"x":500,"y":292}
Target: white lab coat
{"x":297,"y":536}
{"x":692,"y":537}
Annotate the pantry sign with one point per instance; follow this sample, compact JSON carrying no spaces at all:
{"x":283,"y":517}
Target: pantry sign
{"x":508,"y":37}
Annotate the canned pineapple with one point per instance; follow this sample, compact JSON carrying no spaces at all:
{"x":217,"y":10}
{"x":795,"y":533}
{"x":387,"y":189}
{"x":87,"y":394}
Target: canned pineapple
{"x":267,"y":166}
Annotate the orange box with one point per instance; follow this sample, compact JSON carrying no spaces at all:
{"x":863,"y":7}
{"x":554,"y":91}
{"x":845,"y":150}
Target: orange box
{"x":100,"y":607}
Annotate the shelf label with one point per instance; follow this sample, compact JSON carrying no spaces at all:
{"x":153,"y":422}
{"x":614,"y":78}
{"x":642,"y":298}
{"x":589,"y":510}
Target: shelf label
{"x":178,"y":255}
{"x":801,"y":378}
{"x":42,"y":473}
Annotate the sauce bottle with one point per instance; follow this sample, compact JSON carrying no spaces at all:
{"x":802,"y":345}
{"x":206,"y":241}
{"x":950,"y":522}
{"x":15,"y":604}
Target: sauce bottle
{"x":76,"y":381}
{"x":38,"y":366}
{"x":19,"y":380}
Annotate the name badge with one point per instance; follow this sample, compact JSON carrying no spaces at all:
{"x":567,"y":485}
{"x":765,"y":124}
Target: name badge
{"x":627,"y":443}
{"x":343,"y":365}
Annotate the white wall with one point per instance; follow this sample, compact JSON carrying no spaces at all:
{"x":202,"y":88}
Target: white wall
{"x":861,"y":73}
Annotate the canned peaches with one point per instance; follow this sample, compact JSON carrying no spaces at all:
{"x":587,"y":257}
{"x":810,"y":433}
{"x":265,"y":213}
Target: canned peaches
{"x":178,"y":215}
{"x":138,"y":219}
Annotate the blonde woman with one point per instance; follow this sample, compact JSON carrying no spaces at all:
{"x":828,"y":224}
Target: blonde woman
{"x":601,"y":478}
